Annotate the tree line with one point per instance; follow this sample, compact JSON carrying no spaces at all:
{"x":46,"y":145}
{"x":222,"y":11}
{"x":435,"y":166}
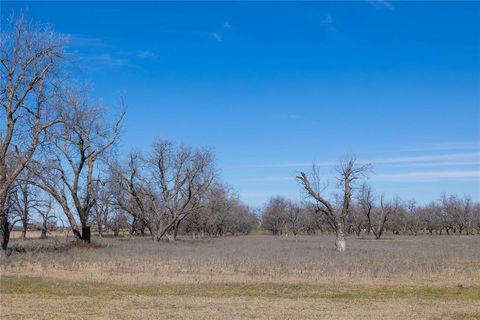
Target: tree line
{"x":358,"y":210}
{"x":375,"y":216}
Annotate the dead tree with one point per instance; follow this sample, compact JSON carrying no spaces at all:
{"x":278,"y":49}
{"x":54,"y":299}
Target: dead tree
{"x":348,"y":172}
{"x":30,"y":55}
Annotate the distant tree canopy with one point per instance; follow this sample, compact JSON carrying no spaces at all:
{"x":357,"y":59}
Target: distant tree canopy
{"x":371,"y":215}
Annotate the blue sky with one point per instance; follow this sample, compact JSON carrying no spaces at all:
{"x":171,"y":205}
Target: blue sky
{"x":272,"y":87}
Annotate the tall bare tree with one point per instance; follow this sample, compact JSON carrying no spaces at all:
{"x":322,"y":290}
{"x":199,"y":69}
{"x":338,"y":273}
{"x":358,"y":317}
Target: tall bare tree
{"x":348,"y":173}
{"x":30,"y":55}
{"x":68,"y":175}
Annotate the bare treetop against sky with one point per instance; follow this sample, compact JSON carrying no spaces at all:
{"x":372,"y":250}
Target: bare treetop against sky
{"x":274,"y":86}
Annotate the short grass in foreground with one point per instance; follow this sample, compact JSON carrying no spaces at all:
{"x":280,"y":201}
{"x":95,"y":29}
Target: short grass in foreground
{"x":254,"y":277}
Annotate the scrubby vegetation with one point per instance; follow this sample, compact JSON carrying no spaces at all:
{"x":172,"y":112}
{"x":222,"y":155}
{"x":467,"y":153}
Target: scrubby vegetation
{"x":302,"y":277}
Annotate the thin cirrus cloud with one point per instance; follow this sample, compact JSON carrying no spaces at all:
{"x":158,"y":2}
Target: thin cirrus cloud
{"x":219,"y":35}
{"x":269,"y":179}
{"x":427,"y":158}
{"x":468,"y":158}
{"x":475,"y":145}
{"x":146,"y":54}
{"x":98,"y":51}
{"x":430,"y":176}
{"x":216,"y":36}
{"x":459,"y":166}
{"x":382,"y":4}
{"x":413,"y":176}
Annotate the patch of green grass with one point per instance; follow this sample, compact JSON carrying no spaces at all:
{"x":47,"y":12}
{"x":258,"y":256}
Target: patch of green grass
{"x":47,"y":288}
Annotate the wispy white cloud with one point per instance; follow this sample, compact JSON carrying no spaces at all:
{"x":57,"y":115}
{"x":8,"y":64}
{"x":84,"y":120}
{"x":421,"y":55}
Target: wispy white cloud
{"x":108,"y":60}
{"x":288,"y":165}
{"x":216,"y":36}
{"x":436,"y":164}
{"x":99,"y":51}
{"x":146,"y":54}
{"x":328,"y":20}
{"x":269,"y":179}
{"x":86,"y":41}
{"x":420,"y":176}
{"x":227,"y":25}
{"x":423,"y":160}
{"x":382,"y":4}
{"x":471,"y":145}
{"x":426,"y":158}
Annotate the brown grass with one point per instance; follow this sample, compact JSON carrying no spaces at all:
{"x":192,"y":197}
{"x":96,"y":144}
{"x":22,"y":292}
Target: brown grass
{"x":261,"y":277}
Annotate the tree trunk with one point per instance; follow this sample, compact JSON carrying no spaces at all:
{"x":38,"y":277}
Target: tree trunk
{"x":100,"y":230}
{"x":44,"y":233}
{"x":171,"y":236}
{"x":24,"y":228}
{"x":340,"y":242}
{"x":86,"y":234}
{"x":4,"y":231}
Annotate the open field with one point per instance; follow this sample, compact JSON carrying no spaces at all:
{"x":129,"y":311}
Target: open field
{"x":253,"y":277}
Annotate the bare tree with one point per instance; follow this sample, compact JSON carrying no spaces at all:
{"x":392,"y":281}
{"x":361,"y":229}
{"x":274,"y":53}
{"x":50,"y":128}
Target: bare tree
{"x":413,"y":217}
{"x":293,"y":217}
{"x":68,"y":175}
{"x":30,"y":55}
{"x":348,"y":172}
{"x":131,"y":191}
{"x":458,"y":213}
{"x":275,"y":214}
{"x":182,"y":176}
{"x":381,"y":215}
{"x":376,"y":216}
{"x":24,"y":200}
{"x":47,"y":216}
{"x":366,"y":202}
{"x":162,"y":190}
{"x":102,"y":206}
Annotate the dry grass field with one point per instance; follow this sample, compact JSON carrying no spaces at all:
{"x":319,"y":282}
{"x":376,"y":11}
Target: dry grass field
{"x":247,"y":277}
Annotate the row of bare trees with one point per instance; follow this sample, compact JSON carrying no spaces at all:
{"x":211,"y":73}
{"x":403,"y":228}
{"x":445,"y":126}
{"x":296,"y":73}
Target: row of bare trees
{"x":358,"y":210}
{"x":175,"y":188}
{"x":56,"y":151}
